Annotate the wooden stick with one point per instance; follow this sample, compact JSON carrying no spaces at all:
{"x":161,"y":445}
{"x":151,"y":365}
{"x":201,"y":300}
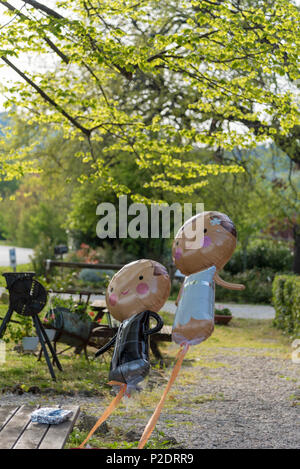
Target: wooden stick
{"x":114,"y":403}
{"x":152,"y":422}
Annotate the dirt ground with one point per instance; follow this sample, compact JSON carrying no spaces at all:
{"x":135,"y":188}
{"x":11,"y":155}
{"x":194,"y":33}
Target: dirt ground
{"x":239,"y":389}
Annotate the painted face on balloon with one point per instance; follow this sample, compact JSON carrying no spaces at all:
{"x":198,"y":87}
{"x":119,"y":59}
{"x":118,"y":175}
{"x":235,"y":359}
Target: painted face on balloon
{"x":139,"y":286}
{"x":200,"y":244}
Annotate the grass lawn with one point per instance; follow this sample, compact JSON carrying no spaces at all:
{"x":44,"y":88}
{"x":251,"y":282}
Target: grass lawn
{"x":241,"y":337}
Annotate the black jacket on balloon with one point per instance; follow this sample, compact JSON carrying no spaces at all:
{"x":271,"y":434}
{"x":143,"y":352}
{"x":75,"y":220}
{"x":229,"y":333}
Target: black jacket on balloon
{"x":130,"y":361}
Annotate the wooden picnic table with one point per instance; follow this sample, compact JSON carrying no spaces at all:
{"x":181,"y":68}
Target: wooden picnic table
{"x":100,"y":307}
{"x":18,"y":432}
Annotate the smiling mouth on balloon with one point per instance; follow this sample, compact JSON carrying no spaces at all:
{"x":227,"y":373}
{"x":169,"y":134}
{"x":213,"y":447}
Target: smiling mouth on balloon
{"x":125,"y":292}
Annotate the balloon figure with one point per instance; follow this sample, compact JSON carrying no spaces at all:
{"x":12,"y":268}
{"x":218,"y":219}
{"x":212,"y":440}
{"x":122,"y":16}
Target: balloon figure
{"x":200,"y":261}
{"x":134,"y":295}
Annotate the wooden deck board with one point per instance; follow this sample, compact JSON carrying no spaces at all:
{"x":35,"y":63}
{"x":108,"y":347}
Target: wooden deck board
{"x":15,"y":427}
{"x":57,"y":435}
{"x":32,"y":435}
{"x":17,"y":431}
{"x":6,"y":414}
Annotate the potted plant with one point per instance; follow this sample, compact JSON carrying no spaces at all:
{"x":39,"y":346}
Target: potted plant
{"x":29,"y":344}
{"x":23,"y":335}
{"x":29,"y":341}
{"x":222,"y":315}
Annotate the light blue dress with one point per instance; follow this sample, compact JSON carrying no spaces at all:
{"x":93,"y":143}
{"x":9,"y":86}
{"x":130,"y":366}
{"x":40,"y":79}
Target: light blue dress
{"x":197,"y":300}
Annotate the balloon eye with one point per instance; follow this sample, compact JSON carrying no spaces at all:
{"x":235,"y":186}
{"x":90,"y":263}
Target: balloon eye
{"x":177,"y":242}
{"x":205,"y":230}
{"x":111,"y":289}
{"x":141,"y":277}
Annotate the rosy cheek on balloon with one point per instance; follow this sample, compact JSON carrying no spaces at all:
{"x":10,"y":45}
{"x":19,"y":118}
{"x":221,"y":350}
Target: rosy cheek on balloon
{"x":178,"y":253}
{"x":113,"y":299}
{"x":206,"y":241}
{"x":142,"y":288}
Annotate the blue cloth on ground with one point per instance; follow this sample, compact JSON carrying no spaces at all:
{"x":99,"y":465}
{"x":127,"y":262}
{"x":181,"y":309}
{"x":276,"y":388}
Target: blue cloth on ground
{"x":50,"y":416}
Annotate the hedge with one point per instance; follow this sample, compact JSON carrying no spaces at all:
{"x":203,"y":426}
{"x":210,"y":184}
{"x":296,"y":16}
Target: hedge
{"x":262,"y":254}
{"x":258,"y":285}
{"x":286,"y":301}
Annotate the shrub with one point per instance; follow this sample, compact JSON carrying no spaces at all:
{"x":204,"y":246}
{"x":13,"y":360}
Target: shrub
{"x":286,"y":300}
{"x":44,"y":250}
{"x":16,"y":332}
{"x":262,"y":254}
{"x":98,"y":277}
{"x":89,"y":255}
{"x":258,"y":285}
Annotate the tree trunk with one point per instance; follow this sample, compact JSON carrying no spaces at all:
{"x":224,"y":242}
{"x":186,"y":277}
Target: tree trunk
{"x":296,"y":233}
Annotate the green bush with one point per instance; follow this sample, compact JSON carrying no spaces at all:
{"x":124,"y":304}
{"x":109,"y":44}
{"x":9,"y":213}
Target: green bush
{"x":98,"y":277}
{"x":286,"y":300}
{"x":16,"y":332}
{"x":258,"y":285}
{"x":262,"y":254}
{"x":44,"y":250}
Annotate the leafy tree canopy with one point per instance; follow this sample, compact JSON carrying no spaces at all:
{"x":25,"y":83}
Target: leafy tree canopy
{"x":156,"y":80}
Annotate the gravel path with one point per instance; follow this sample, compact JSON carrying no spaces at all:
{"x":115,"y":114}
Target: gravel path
{"x":249,"y":399}
{"x":253,"y":407}
{"x":238,"y":310}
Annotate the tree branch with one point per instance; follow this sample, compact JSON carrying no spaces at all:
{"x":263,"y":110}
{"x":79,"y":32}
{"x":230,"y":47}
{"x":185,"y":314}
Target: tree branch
{"x":55,"y":48}
{"x":47,"y":98}
{"x":45,"y":9}
{"x":46,"y":39}
{"x":54,"y":14}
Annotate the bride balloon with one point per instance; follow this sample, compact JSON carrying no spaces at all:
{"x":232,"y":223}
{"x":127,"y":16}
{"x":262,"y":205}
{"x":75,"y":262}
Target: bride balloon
{"x":201,"y":248}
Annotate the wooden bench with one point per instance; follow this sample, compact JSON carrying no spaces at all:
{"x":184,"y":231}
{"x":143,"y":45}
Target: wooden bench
{"x":164,"y":335}
{"x":18,"y":432}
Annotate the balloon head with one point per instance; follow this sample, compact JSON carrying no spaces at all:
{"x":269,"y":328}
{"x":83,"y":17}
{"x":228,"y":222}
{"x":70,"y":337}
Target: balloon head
{"x":139,"y":286}
{"x":207,"y":239}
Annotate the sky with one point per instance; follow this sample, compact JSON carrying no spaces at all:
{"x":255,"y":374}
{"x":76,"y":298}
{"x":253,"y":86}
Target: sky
{"x":7,"y":75}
